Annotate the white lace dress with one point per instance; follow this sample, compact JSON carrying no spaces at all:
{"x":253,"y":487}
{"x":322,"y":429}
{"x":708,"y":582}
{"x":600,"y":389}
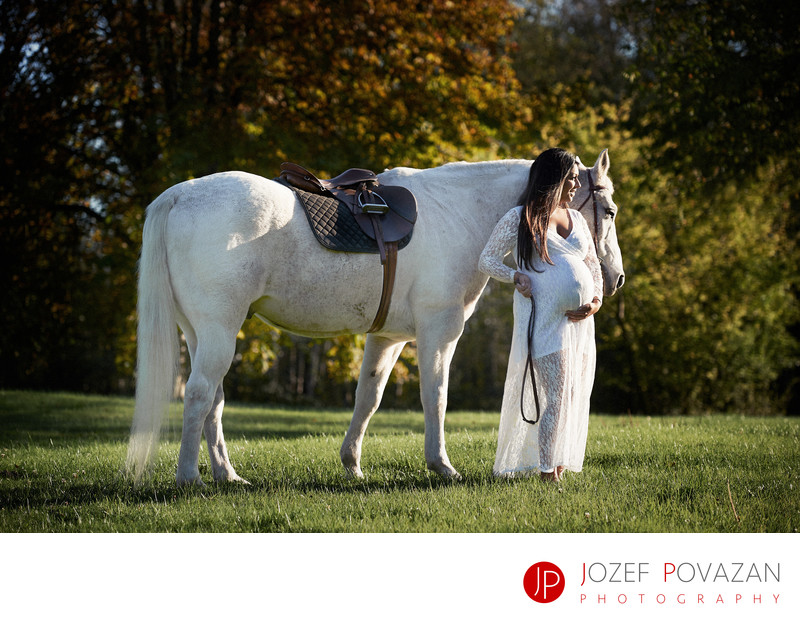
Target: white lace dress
{"x":563,"y":351}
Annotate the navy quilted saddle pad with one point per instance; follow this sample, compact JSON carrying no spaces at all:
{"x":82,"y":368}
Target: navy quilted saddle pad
{"x":334,"y":225}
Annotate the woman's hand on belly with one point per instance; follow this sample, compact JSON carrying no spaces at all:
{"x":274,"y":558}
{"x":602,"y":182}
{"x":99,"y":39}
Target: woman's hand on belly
{"x":584,"y":311}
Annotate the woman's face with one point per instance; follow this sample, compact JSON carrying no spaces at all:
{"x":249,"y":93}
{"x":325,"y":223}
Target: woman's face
{"x":571,"y":185}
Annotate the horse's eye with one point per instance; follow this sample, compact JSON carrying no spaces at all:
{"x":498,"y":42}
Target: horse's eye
{"x":611,"y":212}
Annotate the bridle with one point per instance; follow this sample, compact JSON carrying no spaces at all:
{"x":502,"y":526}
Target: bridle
{"x":592,"y":190}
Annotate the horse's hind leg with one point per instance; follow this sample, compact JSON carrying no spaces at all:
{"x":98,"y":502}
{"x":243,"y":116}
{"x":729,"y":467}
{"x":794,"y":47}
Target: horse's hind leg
{"x":217,"y":450}
{"x":380,"y":356}
{"x":213,"y":352}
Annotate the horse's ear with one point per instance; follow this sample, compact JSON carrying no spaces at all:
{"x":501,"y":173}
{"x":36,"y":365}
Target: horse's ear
{"x":602,"y":165}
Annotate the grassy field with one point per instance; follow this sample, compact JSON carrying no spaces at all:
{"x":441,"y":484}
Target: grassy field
{"x":61,"y":457}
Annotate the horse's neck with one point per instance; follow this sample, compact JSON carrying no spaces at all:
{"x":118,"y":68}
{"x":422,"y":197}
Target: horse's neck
{"x":475,"y":195}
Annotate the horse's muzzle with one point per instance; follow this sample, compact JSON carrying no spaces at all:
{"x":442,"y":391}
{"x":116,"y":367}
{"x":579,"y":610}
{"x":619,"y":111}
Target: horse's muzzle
{"x":610,"y":287}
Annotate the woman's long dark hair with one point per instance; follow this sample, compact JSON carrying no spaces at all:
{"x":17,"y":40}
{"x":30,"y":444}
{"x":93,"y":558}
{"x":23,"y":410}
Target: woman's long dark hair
{"x":542,"y":194}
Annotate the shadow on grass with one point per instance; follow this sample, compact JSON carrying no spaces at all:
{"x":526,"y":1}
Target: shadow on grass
{"x":42,"y":493}
{"x":40,"y":419}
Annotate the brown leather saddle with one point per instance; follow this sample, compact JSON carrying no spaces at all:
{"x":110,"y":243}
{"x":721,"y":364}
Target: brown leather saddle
{"x":353,"y":212}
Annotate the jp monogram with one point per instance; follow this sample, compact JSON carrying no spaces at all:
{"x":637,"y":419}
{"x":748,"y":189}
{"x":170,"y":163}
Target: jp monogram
{"x":543,"y":582}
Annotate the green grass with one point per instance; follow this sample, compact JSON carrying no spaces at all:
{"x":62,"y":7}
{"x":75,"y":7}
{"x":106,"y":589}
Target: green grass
{"x":61,"y":457}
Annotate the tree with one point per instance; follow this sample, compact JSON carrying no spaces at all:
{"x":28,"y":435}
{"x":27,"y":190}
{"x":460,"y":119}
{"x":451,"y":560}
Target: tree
{"x":716,"y":82}
{"x":715,"y":87}
{"x":704,"y":320}
{"x":104,"y":105}
{"x":571,"y":53}
{"x":62,"y":275}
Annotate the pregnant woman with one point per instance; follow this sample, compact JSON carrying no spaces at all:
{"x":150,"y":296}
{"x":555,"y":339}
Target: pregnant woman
{"x":557,"y":267}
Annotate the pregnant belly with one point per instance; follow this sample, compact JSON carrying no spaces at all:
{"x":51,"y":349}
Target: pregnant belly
{"x":567,"y":285}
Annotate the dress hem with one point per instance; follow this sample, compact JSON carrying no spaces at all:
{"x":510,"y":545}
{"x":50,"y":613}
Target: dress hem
{"x":531,"y":471}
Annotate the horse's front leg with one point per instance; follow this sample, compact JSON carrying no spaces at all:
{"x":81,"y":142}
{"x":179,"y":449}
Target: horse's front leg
{"x":221,"y":466}
{"x":380,"y":355}
{"x":436,"y":343}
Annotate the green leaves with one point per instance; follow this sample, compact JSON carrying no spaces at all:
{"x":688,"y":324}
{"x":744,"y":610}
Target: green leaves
{"x":104,"y":105}
{"x":716,"y":82}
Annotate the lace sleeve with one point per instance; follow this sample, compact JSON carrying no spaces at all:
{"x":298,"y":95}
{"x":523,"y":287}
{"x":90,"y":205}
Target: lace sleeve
{"x":502,"y":241}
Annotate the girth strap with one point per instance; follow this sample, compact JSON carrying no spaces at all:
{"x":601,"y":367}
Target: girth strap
{"x":389,"y":268}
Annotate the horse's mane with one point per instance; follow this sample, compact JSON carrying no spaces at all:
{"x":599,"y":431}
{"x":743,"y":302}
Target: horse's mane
{"x":464,"y":169}
{"x":467,"y":168}
{"x":486,"y":165}
{"x":463,"y":164}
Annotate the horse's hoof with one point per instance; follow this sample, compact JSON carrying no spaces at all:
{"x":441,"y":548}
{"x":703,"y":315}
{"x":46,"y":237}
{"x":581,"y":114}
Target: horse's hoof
{"x":445,"y":469}
{"x":225,"y":476}
{"x":353,"y":472}
{"x":194,"y":481}
{"x":350,"y":458}
{"x":233,"y":480}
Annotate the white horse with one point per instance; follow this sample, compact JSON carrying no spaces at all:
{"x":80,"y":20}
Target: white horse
{"x":221,"y":248}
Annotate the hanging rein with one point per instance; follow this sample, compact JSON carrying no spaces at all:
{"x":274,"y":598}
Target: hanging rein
{"x":532,"y":319}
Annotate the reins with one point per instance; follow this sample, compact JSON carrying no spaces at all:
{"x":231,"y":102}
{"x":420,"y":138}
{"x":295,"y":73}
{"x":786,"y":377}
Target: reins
{"x":592,"y":190}
{"x":529,"y":369}
{"x":532,"y":319}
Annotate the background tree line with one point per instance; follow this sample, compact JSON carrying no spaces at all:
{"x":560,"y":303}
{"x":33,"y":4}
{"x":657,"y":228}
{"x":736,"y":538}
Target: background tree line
{"x":104,"y":105}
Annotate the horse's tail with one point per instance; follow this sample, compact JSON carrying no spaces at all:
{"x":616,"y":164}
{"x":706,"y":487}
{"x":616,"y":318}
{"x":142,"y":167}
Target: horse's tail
{"x":157,"y":341}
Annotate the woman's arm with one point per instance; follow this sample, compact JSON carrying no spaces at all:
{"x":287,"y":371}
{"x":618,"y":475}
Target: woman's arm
{"x":502,"y":241}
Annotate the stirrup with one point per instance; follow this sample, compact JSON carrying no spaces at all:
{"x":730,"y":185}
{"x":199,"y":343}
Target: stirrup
{"x":373,"y":207}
